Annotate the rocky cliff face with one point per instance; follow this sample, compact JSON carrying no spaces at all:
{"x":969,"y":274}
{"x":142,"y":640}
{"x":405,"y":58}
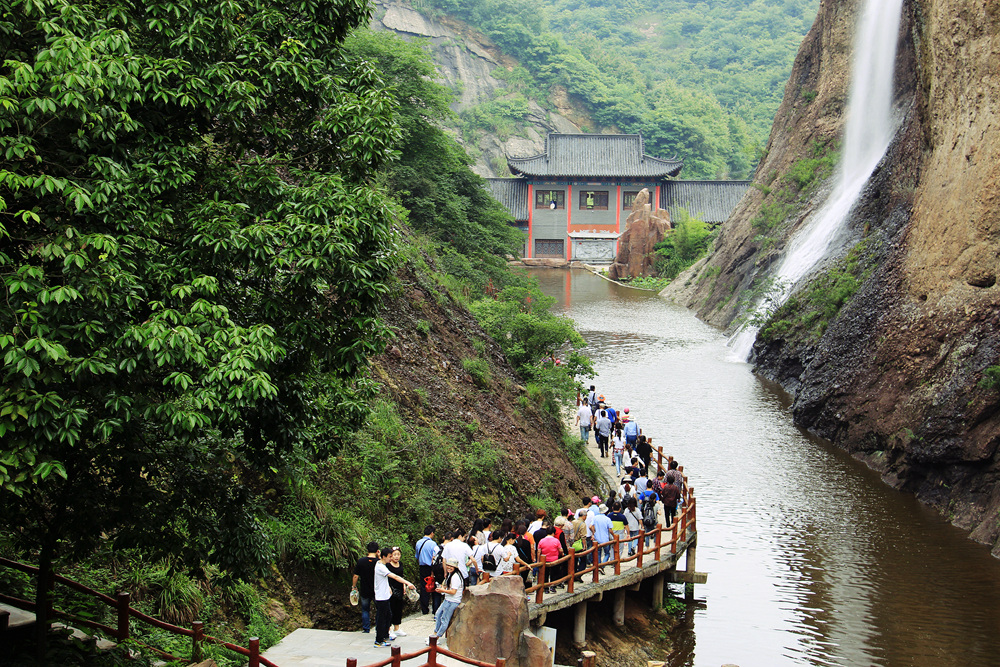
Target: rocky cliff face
{"x":891,"y":366}
{"x":466,"y":62}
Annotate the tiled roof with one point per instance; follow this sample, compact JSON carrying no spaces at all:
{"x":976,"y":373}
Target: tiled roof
{"x":711,"y":201}
{"x":512,"y":193}
{"x":615,"y":155}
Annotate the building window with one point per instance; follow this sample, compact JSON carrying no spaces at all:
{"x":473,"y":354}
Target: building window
{"x":628,"y":198}
{"x":594,"y":200}
{"x":550,"y":248}
{"x":545,"y":199}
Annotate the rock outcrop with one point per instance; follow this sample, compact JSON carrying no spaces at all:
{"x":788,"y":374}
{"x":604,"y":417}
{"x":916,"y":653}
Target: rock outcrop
{"x":465,"y":63}
{"x":492,"y":622}
{"x":896,"y":375}
{"x":644,"y":228}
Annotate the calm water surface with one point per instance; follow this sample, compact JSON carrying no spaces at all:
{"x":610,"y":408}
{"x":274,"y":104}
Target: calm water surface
{"x":812,"y":560}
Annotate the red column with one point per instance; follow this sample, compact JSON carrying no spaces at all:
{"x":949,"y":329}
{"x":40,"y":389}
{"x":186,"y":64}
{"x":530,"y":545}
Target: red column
{"x":618,"y":217}
{"x":569,"y":220}
{"x":531,"y":210}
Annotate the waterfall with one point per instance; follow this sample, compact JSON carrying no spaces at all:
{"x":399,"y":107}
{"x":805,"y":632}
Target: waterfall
{"x":869,"y":128}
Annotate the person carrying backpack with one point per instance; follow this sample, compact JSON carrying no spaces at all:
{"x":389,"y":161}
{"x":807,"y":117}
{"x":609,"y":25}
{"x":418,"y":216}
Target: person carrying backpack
{"x":425,"y":549}
{"x":650,"y":516}
{"x":592,"y":400}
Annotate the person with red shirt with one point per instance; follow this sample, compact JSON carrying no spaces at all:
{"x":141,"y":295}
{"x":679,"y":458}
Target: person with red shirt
{"x":550,"y":547}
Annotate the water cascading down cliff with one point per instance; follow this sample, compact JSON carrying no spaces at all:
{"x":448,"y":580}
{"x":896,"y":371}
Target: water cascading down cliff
{"x":869,"y":129}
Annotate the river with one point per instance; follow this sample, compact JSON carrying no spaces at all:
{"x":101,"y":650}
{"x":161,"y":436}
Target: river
{"x":811,"y":559}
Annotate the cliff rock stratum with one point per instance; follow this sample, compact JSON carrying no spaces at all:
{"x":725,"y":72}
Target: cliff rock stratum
{"x":886,"y":349}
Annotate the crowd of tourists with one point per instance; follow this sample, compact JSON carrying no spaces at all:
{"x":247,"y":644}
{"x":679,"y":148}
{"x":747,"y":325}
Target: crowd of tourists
{"x":510,"y":546}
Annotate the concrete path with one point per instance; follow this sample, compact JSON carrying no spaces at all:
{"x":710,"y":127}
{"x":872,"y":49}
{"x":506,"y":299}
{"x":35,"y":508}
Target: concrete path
{"x":329,"y":648}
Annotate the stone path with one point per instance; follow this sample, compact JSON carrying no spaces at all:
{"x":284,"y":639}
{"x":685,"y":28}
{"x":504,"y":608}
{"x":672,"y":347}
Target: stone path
{"x":329,"y":648}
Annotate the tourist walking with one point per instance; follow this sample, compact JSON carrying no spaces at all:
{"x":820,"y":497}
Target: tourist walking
{"x":618,"y":523}
{"x":396,"y":600}
{"x":602,"y":431}
{"x":383,"y":594}
{"x":585,"y":420}
{"x":451,"y":589}
{"x":592,"y":401}
{"x":459,"y":550}
{"x":425,"y":549}
{"x":630,"y":428}
{"x":633,"y":520}
{"x":669,"y":495}
{"x":550,"y":547}
{"x":617,"y":449}
{"x":644,"y":450}
{"x":600,"y":532}
{"x":364,"y":583}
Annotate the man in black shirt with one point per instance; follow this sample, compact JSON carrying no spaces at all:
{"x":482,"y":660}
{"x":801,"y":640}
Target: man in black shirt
{"x":364,"y":583}
{"x":644,"y":450}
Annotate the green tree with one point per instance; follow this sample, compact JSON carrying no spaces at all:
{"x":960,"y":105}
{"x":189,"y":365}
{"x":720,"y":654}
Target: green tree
{"x":432,"y":178}
{"x":190,"y":232}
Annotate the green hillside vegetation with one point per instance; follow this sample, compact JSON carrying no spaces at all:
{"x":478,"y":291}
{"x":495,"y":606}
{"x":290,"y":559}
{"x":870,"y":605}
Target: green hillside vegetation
{"x":214,"y":219}
{"x":700,"y":80}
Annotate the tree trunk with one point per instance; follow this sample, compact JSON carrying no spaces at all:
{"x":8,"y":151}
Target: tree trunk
{"x":43,"y":599}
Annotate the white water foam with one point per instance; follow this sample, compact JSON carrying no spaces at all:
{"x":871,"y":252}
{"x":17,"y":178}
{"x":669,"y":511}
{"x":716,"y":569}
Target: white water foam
{"x":869,"y":129}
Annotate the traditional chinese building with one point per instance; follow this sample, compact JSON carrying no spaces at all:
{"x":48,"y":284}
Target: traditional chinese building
{"x":572,"y":200}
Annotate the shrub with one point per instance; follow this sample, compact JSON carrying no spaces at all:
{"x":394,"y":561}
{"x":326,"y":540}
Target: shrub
{"x":479,"y":369}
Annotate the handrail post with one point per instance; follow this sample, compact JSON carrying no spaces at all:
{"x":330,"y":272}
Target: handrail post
{"x":352,"y":662}
{"x":597,"y":561}
{"x":254,"y":652}
{"x":123,"y":616}
{"x":572,"y":570}
{"x":618,"y":554}
{"x":684,"y":524}
{"x":198,"y":628}
{"x":396,"y":652}
{"x":501,"y":662}
{"x":642,"y":544}
{"x":659,"y":532}
{"x":432,"y":654}
{"x":659,"y":458}
{"x":541,"y":581}
{"x":673,"y":537}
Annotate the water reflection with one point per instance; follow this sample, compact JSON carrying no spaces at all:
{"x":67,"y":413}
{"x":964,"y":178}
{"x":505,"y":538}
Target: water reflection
{"x":812,"y":560}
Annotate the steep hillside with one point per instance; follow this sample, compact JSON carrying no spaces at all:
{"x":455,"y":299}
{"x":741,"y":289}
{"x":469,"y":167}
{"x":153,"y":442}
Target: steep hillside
{"x":891,"y":349}
{"x":472,"y":66}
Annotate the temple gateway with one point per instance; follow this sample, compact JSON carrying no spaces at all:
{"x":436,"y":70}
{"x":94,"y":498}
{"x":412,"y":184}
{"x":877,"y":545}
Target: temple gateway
{"x":572,"y":200}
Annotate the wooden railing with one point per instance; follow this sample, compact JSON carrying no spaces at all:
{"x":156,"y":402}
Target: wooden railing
{"x":679,"y":531}
{"x":432,"y":652}
{"x":125,"y":613}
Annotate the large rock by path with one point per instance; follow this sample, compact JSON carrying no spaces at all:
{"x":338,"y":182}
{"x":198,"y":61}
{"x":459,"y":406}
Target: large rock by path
{"x":644,"y":228}
{"x":492,"y":622}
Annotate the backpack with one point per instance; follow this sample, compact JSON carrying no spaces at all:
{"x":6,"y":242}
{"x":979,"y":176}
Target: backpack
{"x":648,"y":515}
{"x":592,"y":399}
{"x":437,"y":567}
{"x":489,"y":560}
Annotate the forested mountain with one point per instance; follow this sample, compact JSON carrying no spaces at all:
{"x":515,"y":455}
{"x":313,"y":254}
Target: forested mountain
{"x":700,"y":80}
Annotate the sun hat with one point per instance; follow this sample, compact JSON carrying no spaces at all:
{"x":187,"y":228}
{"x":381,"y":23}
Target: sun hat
{"x":603,"y":509}
{"x":625,"y":410}
{"x":595,"y":500}
{"x":451,"y":561}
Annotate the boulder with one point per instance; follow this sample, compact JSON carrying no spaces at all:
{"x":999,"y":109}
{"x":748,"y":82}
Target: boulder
{"x":492,"y":622}
{"x":644,"y":228}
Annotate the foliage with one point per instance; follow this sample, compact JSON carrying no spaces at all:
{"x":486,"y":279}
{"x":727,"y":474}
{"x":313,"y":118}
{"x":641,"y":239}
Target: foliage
{"x":991,"y":378}
{"x":689,"y":241}
{"x":811,"y":311}
{"x":432,"y":180}
{"x":673,"y":606}
{"x":784,"y":196}
{"x":479,"y":369}
{"x":699,"y":80}
{"x":651,"y":283}
{"x":191,"y":234}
